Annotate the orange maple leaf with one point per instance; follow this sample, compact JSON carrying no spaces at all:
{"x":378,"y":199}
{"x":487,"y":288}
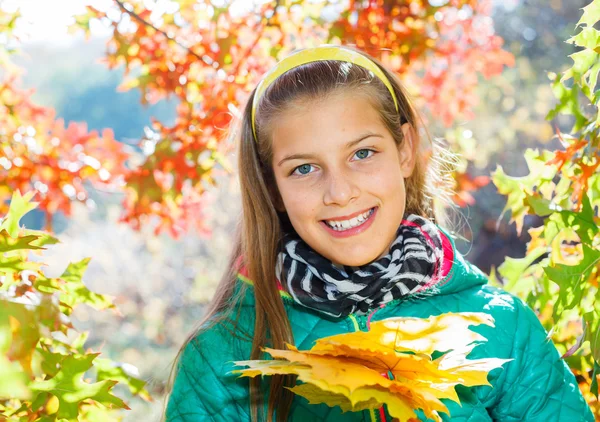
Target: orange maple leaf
{"x":562,"y":157}
{"x":581,"y":181}
{"x":465,"y":183}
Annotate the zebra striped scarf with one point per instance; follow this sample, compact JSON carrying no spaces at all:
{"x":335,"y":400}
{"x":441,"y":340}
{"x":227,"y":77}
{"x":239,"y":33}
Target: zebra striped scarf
{"x":412,"y":265}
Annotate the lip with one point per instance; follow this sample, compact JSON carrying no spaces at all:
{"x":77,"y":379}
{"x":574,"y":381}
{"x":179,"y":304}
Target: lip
{"x":355,"y":230}
{"x":349,"y":216}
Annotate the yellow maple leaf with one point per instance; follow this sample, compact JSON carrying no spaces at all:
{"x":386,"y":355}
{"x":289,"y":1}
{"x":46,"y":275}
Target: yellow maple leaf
{"x":335,"y":376}
{"x":390,"y":364}
{"x":419,"y":335}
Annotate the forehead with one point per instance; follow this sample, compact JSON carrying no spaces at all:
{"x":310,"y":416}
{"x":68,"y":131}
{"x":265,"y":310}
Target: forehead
{"x":324,"y":124}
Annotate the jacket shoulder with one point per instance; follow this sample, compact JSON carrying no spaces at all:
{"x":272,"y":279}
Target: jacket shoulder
{"x":204,"y":388}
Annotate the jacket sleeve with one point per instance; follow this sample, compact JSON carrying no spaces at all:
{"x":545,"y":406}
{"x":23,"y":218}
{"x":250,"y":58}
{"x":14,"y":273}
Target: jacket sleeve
{"x":538,"y":385}
{"x":202,"y":389}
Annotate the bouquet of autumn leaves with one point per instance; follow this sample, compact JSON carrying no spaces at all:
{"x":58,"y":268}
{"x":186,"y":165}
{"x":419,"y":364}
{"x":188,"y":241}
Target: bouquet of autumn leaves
{"x":390,"y":364}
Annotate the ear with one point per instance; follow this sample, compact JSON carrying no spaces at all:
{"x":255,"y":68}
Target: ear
{"x":407,"y":150}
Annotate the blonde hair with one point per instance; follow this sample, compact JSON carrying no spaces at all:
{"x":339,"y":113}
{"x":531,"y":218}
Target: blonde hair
{"x":262,"y":227}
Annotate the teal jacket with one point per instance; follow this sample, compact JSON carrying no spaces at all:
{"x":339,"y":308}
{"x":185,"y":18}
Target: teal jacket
{"x":536,"y":385}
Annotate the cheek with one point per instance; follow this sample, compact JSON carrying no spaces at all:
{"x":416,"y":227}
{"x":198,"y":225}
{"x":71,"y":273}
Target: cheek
{"x":386,"y":182}
{"x":299,"y":203}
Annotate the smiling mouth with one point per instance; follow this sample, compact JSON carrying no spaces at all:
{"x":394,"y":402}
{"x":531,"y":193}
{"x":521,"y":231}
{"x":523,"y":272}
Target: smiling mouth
{"x":343,"y":225}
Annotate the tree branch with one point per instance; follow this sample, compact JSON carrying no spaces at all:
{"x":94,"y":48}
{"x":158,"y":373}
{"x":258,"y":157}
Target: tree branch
{"x":145,"y":22}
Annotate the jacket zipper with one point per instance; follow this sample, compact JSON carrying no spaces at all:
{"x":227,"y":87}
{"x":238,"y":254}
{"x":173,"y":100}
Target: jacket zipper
{"x":363,"y":323}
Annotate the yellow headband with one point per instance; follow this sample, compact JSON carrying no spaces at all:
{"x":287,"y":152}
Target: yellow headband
{"x":315,"y":54}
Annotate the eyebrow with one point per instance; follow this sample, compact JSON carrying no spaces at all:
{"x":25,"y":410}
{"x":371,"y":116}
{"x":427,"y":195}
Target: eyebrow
{"x":348,"y":146}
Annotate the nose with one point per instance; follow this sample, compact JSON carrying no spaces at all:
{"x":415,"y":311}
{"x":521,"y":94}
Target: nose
{"x":340,"y":189}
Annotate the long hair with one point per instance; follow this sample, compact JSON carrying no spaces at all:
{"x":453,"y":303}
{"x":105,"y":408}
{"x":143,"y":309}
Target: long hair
{"x":261,"y":226}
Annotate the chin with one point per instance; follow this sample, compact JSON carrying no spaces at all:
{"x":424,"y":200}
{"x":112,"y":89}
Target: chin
{"x":355,"y":261}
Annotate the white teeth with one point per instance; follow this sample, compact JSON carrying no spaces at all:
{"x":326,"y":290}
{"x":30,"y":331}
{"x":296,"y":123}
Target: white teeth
{"x":353,"y":222}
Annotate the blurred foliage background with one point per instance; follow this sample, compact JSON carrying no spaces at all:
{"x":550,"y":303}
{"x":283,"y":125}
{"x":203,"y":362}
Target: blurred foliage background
{"x":161,"y":272}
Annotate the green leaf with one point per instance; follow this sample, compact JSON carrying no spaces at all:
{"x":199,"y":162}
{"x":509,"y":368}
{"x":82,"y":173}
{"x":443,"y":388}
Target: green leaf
{"x":15,"y":264}
{"x":517,"y":189}
{"x":39,"y":401}
{"x":515,"y":201}
{"x":22,"y":325}
{"x":75,"y":270}
{"x":48,"y":314}
{"x":96,"y":413}
{"x":552,"y":228}
{"x":588,"y":38}
{"x":50,"y":360}
{"x":589,"y":83}
{"x":582,"y":222}
{"x":47,"y":285}
{"x":43,"y":239}
{"x":541,"y":293}
{"x":14,"y":381}
{"x":19,"y":206}
{"x":583,"y":61}
{"x":568,"y":103}
{"x":80,"y":341}
{"x":70,"y":389}
{"x":592,"y":319}
{"x":591,"y":14}
{"x":75,"y":292}
{"x":9,"y":243}
{"x":571,"y":279}
{"x":540,"y":205}
{"x":107,"y":369}
{"x":512,"y":270}
{"x":82,"y":22}
{"x":594,"y":385}
{"x":578,"y":342}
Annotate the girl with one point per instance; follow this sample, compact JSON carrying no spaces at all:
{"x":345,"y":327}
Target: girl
{"x":338,"y":230}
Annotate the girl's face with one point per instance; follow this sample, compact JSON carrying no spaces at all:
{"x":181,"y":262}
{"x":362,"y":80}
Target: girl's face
{"x":341,"y":177}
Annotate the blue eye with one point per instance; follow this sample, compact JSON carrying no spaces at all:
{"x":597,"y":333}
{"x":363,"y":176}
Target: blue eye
{"x":363,"y":153}
{"x":303,"y":169}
